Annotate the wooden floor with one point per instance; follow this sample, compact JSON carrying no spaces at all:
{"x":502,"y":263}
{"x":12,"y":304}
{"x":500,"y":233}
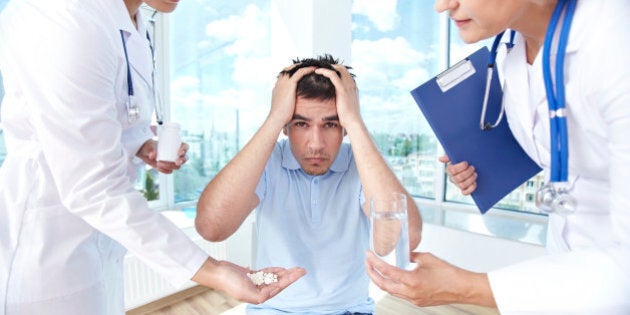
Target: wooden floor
{"x":202,"y":301}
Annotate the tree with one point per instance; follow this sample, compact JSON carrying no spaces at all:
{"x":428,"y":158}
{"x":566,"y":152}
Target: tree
{"x":151,"y":190}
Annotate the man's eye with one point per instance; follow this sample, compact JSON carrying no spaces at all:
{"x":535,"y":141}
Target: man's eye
{"x":331,"y":125}
{"x":299,"y":124}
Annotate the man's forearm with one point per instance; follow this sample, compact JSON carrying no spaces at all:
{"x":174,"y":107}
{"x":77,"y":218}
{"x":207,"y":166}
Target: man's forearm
{"x":377,"y":176}
{"x":229,"y":198}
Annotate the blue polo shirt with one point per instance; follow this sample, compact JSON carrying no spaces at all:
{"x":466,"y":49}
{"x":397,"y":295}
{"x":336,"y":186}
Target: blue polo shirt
{"x":314,"y":222}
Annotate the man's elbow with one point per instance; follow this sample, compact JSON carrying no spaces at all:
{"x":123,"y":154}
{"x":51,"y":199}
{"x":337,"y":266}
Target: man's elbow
{"x":209,"y":231}
{"x":414,"y":239}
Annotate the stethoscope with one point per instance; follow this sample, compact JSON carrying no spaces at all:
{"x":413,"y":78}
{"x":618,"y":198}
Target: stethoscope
{"x":133,"y":110}
{"x":553,"y":196}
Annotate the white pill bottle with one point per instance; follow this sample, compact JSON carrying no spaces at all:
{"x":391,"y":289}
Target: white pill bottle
{"x":169,"y":142}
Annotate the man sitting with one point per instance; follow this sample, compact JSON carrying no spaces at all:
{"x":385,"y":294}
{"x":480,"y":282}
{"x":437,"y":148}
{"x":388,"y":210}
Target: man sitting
{"x":310,"y":190}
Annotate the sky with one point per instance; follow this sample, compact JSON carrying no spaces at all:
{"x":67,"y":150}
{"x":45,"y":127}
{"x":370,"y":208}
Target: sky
{"x":221,"y":62}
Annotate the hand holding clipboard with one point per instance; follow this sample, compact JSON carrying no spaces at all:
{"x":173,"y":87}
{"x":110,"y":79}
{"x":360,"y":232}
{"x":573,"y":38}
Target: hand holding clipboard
{"x":452,"y":104}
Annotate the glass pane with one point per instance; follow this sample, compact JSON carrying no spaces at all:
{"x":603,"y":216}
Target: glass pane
{"x":394,"y":49}
{"x":3,"y":149}
{"x":219,"y":83}
{"x":522,"y":198}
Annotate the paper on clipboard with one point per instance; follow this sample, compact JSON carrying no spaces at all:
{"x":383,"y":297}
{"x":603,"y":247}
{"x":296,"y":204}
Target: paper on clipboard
{"x":452,"y":103}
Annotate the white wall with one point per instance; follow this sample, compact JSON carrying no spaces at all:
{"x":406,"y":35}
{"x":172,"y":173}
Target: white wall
{"x":298,"y":29}
{"x":472,"y":251}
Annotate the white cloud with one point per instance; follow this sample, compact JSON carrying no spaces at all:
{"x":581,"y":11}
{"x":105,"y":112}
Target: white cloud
{"x":380,"y":12}
{"x":247,"y":38}
{"x":386,"y":61}
{"x":387,"y":70}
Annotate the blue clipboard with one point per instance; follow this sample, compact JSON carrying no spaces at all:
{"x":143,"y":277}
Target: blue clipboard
{"x":452,"y":103}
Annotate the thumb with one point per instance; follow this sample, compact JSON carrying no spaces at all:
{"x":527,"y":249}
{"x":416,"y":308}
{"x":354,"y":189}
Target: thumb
{"x":416,"y":257}
{"x":444,"y":159}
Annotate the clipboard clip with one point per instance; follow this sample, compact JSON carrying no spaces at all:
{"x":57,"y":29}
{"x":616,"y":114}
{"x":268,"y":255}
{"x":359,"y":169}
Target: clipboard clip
{"x":454,"y":75}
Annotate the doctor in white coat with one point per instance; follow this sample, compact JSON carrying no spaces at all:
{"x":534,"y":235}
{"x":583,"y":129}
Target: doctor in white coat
{"x":587,"y":270}
{"x":68,"y":208}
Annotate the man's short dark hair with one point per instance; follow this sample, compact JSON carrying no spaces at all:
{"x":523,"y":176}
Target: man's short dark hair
{"x":313,"y":85}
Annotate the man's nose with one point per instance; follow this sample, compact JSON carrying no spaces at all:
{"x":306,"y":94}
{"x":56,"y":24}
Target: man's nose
{"x":316,"y":139}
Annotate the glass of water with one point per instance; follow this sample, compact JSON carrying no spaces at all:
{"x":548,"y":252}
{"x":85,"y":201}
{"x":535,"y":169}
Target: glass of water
{"x":389,"y":230}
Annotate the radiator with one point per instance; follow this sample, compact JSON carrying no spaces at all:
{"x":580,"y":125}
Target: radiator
{"x":143,"y":285}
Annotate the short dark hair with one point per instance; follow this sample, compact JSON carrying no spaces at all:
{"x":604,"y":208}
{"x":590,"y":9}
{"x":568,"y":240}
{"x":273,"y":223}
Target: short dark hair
{"x":313,"y":85}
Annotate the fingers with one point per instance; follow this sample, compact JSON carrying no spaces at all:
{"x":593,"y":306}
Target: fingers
{"x":386,"y":270}
{"x":463,"y":176}
{"x":469,"y":185}
{"x":416,"y":257}
{"x":287,"y":70}
{"x":371,"y":264}
{"x":347,"y":94}
{"x":285,"y":278}
{"x":288,"y":276}
{"x":183,"y":149}
{"x":284,"y":74}
{"x":444,"y":159}
{"x":168,"y":167}
{"x":385,"y":276}
{"x":345,"y":79}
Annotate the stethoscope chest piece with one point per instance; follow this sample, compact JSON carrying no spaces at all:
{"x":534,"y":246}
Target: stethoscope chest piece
{"x":551,"y":199}
{"x":133,"y":110}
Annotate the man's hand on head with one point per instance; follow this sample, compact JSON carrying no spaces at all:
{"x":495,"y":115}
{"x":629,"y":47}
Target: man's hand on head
{"x":284,"y":93}
{"x":347,"y":94}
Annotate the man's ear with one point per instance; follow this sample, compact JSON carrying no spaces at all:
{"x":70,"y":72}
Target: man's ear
{"x":285,"y":130}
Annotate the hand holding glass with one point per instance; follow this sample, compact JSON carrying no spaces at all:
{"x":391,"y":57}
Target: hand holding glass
{"x":389,"y":230}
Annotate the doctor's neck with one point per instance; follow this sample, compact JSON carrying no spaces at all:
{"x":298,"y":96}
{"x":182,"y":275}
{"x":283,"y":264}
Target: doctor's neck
{"x":133,"y":6}
{"x":532,"y":23}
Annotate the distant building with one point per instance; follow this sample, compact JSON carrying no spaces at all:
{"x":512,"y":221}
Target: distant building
{"x":419,"y":176}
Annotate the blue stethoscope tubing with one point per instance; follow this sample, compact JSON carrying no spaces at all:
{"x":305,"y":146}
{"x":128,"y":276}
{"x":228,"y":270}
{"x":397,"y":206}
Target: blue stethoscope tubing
{"x":129,"y":80}
{"x":556,"y":100}
{"x":553,"y":196}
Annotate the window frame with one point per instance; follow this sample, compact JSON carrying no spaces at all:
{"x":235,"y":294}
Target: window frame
{"x":439,"y":207}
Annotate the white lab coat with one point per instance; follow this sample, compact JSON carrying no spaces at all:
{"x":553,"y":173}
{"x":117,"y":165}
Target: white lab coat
{"x":587,"y":270}
{"x":67,"y":201}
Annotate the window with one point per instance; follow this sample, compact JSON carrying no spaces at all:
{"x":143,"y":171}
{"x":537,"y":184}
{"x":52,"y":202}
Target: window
{"x":396,"y":46}
{"x":220,"y":83}
{"x":394,"y":49}
{"x":218,"y":60}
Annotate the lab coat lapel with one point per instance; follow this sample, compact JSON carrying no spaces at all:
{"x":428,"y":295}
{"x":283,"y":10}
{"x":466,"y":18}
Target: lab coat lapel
{"x":517,"y":101}
{"x":139,"y":51}
{"x":538,"y":93}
